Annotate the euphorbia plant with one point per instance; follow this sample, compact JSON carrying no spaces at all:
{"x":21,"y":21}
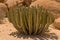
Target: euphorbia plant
{"x":30,"y":20}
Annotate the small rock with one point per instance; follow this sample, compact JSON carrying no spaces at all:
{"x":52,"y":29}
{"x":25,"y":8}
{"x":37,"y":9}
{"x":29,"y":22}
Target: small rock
{"x":12,"y":3}
{"x":3,"y":11}
{"x":57,"y":23}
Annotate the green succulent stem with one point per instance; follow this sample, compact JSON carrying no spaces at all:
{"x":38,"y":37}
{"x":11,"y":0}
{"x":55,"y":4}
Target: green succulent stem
{"x":30,"y":21}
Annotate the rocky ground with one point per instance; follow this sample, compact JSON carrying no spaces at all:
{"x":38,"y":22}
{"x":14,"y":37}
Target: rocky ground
{"x":8,"y":32}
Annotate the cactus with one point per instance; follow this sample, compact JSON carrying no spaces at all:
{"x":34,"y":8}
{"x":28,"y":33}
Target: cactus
{"x":30,"y":21}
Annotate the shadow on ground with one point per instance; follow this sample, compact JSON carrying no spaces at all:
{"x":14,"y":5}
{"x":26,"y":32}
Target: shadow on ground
{"x":51,"y":36}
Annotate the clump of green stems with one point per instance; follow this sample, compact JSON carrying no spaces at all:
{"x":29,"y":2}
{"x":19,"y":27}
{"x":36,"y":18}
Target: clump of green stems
{"x":31,"y":21}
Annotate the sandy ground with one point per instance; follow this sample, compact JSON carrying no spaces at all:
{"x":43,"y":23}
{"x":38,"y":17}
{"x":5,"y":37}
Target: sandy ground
{"x":8,"y":32}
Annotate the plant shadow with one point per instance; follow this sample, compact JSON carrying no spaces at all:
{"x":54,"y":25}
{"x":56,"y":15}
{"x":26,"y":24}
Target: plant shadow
{"x":47,"y":36}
